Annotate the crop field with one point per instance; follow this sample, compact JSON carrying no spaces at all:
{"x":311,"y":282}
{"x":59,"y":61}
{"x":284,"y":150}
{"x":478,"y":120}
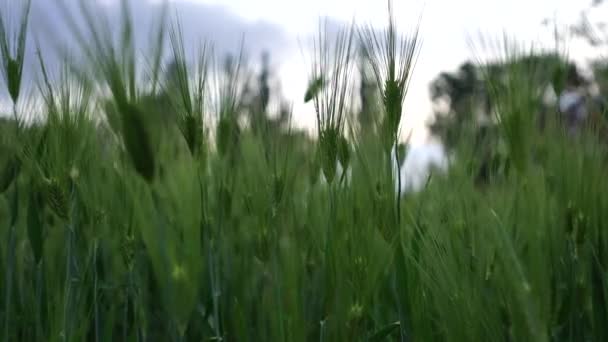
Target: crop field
{"x":163,"y":202}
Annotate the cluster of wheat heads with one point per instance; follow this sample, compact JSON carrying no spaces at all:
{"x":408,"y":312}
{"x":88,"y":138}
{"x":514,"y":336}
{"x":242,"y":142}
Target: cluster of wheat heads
{"x":141,"y":208}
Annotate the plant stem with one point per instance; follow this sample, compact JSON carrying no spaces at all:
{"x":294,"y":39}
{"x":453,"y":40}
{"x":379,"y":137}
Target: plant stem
{"x":39,"y":285}
{"x":68,"y":285}
{"x":398,"y":183}
{"x":70,"y":262}
{"x":95,"y":290}
{"x":14,"y":204}
{"x":9,"y":280}
{"x":15,"y":116}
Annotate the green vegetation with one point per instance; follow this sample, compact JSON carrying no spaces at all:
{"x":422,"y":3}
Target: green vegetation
{"x":148,"y":211}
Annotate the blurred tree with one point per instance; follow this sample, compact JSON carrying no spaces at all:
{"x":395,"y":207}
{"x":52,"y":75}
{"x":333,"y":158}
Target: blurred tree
{"x":259,"y":98}
{"x":457,"y":98}
{"x":462,"y":99}
{"x":269,"y":116}
{"x":368,"y":94}
{"x":592,"y":31}
{"x":465,"y":112}
{"x":263,"y":78}
{"x":592,"y":28}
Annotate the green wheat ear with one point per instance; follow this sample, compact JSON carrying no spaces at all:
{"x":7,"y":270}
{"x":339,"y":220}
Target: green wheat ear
{"x":278,"y":188}
{"x":13,"y":53}
{"x":315,"y":86}
{"x":228,"y":137}
{"x":329,"y":145}
{"x":393,"y":93}
{"x":56,"y":198}
{"x":9,"y":173}
{"x":343,"y":152}
{"x":192,"y":131}
{"x":392,"y":58}
{"x":14,"y":79}
{"x":188,"y":107}
{"x":137,"y":141}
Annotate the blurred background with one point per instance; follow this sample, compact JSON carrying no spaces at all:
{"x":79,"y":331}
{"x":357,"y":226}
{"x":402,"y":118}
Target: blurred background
{"x":275,"y":36}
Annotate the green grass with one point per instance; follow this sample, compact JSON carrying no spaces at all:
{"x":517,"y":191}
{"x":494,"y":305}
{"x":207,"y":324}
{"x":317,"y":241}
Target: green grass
{"x":133,"y":216}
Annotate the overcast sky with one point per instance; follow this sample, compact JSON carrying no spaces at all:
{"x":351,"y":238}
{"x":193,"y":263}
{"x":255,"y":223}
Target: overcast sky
{"x":446,"y":24}
{"x":279,"y":26}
